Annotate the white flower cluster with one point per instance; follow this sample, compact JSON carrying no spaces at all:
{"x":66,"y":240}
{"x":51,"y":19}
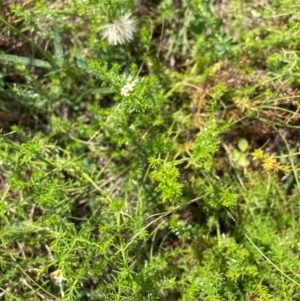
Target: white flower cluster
{"x":128,"y":88}
{"x":120,"y":30}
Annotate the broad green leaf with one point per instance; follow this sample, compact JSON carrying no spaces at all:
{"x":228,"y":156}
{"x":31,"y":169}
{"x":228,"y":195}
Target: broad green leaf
{"x":82,"y":64}
{"x":25,"y":61}
{"x":104,"y":90}
{"x":243,"y":145}
{"x":59,"y":55}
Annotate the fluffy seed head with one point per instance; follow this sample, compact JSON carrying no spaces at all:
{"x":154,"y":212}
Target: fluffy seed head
{"x":120,"y":30}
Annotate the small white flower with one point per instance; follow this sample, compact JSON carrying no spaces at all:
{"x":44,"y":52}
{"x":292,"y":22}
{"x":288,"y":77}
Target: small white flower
{"x":128,"y":88}
{"x":120,"y":30}
{"x":58,"y":276}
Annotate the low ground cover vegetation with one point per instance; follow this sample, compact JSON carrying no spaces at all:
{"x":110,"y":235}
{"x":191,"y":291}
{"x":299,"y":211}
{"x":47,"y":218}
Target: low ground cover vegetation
{"x":149,"y":150}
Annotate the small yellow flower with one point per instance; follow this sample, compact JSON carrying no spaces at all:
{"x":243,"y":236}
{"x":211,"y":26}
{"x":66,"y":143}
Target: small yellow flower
{"x":243,"y":104}
{"x":270,"y":164}
{"x":258,"y":153}
{"x":285,"y":168}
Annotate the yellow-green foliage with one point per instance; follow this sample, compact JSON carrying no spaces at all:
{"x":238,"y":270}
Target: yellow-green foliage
{"x":157,"y":165}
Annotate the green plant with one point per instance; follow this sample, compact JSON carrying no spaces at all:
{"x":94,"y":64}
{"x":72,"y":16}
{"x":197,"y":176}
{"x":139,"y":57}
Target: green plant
{"x":116,"y":176}
{"x":239,"y":153}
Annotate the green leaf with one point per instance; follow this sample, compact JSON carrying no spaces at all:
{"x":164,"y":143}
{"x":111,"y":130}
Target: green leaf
{"x":25,"y":61}
{"x":240,"y":158}
{"x":104,"y":90}
{"x":82,"y":64}
{"x":243,"y":145}
{"x":59,"y":55}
